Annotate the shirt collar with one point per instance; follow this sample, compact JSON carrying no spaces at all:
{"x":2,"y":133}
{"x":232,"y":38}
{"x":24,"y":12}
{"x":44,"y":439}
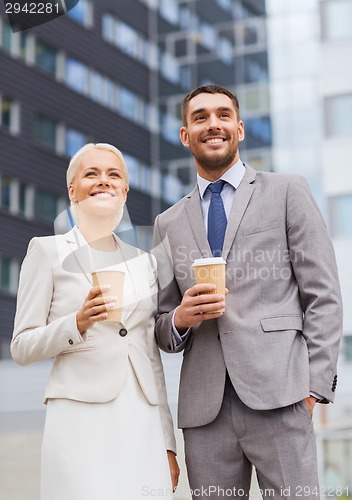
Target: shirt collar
{"x":232,"y":176}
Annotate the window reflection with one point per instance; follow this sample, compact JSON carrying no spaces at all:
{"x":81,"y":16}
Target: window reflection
{"x":45,"y":205}
{"x":76,"y":75}
{"x":5,"y":191}
{"x":74,"y":141}
{"x":258,"y":132}
{"x":45,"y":132}
{"x":5,"y":274}
{"x":340,"y":209}
{"x":338,"y":110}
{"x":337,"y":19}
{"x":45,"y":57}
{"x":82,"y":13}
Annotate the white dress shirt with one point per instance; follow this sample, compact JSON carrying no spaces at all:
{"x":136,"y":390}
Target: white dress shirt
{"x":233,"y":177}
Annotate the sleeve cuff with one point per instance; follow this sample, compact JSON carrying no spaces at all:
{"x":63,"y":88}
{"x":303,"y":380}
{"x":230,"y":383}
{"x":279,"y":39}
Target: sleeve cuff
{"x":177,"y":339}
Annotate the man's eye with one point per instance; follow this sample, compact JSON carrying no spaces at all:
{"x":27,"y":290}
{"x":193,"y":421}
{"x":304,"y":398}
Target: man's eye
{"x":224,"y":115}
{"x":200,"y":117}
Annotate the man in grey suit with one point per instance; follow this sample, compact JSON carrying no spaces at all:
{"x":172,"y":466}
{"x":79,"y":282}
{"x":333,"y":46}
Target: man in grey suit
{"x":251,"y":373}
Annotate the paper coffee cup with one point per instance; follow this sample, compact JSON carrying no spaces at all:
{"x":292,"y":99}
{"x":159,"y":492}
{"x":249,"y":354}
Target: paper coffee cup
{"x":116,"y":280}
{"x":211,"y":270}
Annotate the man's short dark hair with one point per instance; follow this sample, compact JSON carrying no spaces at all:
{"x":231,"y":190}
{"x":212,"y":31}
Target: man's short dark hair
{"x":208,"y":89}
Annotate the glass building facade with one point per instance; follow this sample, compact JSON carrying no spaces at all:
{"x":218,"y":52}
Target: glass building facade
{"x":309,"y":46}
{"x":118,"y":73}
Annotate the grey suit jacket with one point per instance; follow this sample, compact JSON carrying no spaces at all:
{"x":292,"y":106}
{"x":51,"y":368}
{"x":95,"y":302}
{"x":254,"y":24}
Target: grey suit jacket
{"x":54,"y":282}
{"x":279,"y":336}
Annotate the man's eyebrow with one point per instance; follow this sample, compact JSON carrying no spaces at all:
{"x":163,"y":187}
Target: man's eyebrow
{"x":196,"y":111}
{"x":202,"y":110}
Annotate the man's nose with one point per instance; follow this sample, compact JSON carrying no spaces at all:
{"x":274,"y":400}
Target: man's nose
{"x":214,"y":122}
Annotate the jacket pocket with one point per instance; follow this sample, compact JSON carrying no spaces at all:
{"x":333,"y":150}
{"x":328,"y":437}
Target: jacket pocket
{"x":278,"y":323}
{"x":260,"y":229}
{"x":80,"y":349}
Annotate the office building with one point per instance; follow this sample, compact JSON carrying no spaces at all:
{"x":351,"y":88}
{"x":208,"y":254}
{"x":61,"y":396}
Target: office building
{"x":116,"y":72}
{"x":309,"y":46}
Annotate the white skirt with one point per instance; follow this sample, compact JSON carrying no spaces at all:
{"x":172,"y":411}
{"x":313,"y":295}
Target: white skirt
{"x":109,"y":451}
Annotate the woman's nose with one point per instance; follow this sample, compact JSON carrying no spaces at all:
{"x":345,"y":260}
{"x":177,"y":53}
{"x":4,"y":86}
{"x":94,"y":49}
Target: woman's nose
{"x":103,"y":180}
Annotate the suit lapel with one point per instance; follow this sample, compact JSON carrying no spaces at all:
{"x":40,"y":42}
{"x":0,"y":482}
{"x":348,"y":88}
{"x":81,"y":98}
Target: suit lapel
{"x":241,"y":199}
{"x":79,"y":259}
{"x":132,"y":281}
{"x":240,"y":202}
{"x":195,"y":219}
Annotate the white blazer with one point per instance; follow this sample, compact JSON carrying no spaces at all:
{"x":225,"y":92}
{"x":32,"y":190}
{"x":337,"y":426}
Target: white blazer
{"x":54,"y":281}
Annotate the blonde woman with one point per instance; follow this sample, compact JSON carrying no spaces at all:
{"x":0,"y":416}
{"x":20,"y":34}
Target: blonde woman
{"x":108,"y":431}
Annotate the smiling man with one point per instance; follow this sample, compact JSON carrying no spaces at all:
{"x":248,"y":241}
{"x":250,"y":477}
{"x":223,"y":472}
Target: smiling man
{"x":251,"y":374}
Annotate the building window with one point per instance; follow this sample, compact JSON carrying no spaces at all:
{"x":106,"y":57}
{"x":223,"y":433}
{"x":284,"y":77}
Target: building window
{"x":82,"y":13}
{"x":347,"y":348}
{"x":45,"y":205}
{"x":172,"y":188}
{"x":9,"y":115}
{"x":258,"y":132}
{"x":169,"y":67}
{"x":45,"y":57}
{"x":340,"y":209}
{"x":5,"y":274}
{"x":58,"y":137}
{"x":255,"y":67}
{"x":188,"y":20}
{"x":208,"y":36}
{"x":22,"y":199}
{"x":96,"y":86}
{"x":5,"y":192}
{"x":225,"y":50}
{"x":338,"y":110}
{"x":6,"y":36}
{"x":336,"y":19}
{"x":169,"y":10}
{"x":127,"y":39}
{"x":225,"y":4}
{"x":139,"y":174}
{"x":170,"y":128}
{"x":74,"y":141}
{"x":76,"y":75}
{"x":128,"y":104}
{"x":9,"y":273}
{"x":45,"y":132}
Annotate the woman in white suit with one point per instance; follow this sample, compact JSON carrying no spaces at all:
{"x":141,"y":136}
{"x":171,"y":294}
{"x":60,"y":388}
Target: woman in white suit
{"x":108,"y":432}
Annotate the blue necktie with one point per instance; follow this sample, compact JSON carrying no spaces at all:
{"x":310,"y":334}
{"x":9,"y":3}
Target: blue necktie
{"x":216,"y":219}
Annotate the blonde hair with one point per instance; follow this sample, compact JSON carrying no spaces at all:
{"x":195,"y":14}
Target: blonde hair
{"x":76,"y":160}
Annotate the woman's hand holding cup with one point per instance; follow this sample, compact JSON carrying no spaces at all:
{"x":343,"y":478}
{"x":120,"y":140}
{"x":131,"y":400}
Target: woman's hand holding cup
{"x":95,"y":307}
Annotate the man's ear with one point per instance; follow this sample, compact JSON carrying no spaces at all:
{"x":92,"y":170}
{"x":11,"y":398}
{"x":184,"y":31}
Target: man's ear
{"x":241,"y":134}
{"x":184,"y":137}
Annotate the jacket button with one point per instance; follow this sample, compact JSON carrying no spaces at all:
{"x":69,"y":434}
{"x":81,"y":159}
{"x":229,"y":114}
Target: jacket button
{"x":70,"y":342}
{"x":123,"y":332}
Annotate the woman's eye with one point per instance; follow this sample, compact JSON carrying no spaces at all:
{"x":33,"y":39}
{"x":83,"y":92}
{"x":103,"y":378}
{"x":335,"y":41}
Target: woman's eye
{"x":90,"y":174}
{"x":115,"y":174}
